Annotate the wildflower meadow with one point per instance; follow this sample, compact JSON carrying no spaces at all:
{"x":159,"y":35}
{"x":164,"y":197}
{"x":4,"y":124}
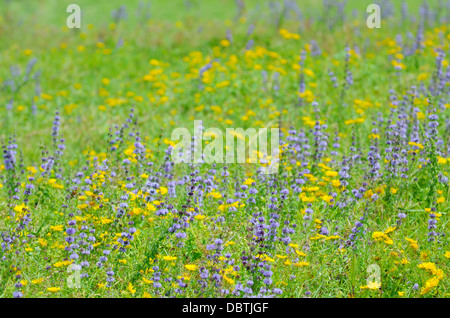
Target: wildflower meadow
{"x":225,"y":149}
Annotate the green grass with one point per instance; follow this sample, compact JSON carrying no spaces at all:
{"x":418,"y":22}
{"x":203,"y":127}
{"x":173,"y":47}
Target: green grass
{"x":180,"y":39}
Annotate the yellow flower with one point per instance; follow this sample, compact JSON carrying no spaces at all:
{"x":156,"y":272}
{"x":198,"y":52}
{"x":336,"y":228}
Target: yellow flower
{"x":389,"y":230}
{"x":162,"y":190}
{"x":131,"y":288}
{"x":169,"y":258}
{"x":372,"y":285}
{"x":331,"y":174}
{"x":223,"y":84}
{"x":299,"y":253}
{"x":33,"y":170}
{"x":412,"y":243}
{"x":53,"y":289}
{"x":229,"y":280}
{"x":46,"y":96}
{"x":447,"y":254}
{"x":431,"y":268}
{"x":301,"y":264}
{"x":404,"y":261}
{"x":422,"y":76}
{"x":378,"y":235}
{"x":389,"y":241}
{"x":288,"y":35}
{"x":20,"y":208}
{"x":37,"y":281}
{"x":431,"y":283}
{"x":106,"y":220}
{"x":42,"y":242}
{"x":225,"y":43}
{"x":381,"y":236}
{"x":336,"y":183}
{"x":327,"y":198}
{"x":191,"y":267}
{"x":249,"y":181}
{"x":215,"y":195}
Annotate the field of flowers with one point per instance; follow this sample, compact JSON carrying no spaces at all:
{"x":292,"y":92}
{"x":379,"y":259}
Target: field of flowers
{"x":93,"y":205}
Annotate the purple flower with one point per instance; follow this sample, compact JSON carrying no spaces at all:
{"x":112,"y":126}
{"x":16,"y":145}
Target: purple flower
{"x":324,"y":231}
{"x":17,"y":294}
